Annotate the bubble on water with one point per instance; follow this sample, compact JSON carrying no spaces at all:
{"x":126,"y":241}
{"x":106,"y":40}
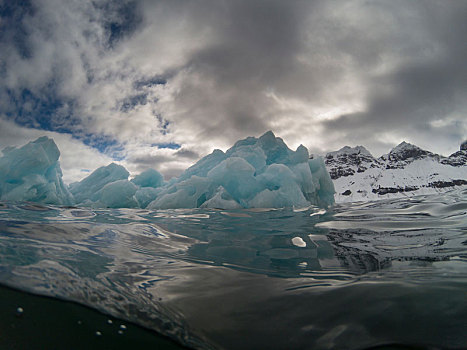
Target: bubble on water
{"x":98,"y":333}
{"x":109,"y":321}
{"x":120,"y":332}
{"x":122,"y":326}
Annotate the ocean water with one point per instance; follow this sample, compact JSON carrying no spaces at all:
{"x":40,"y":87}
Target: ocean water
{"x":386,"y":274}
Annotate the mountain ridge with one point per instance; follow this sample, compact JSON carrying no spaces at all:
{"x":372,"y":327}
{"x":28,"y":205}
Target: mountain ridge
{"x":406,"y":170}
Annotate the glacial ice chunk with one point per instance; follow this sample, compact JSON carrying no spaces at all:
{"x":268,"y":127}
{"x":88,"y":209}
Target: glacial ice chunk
{"x":88,"y":188}
{"x":281,"y":189}
{"x":253,"y":154}
{"x":146,"y":195}
{"x":190,"y":193}
{"x":236,"y":176}
{"x":32,"y":173}
{"x":322,"y":183}
{"x":202,"y":167}
{"x":255,"y":172}
{"x":149,"y":178}
{"x":221,"y":200}
{"x":118,"y":194}
{"x":108,"y":187}
{"x":275,"y":149}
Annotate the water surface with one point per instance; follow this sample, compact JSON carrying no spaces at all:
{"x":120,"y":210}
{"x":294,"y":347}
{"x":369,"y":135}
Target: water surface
{"x":356,"y":276}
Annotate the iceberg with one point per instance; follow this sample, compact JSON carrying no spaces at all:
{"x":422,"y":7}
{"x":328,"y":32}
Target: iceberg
{"x":117,"y":194}
{"x":221,"y":199}
{"x":149,"y":178}
{"x":89,"y":189}
{"x":108,"y":187}
{"x":33,"y":173}
{"x":146,"y":195}
{"x":255,"y":173}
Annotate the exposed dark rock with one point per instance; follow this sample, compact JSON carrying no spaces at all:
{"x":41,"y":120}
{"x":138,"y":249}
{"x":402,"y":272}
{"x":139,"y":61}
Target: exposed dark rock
{"x":339,"y":172}
{"x":443,"y":184}
{"x":405,"y":151}
{"x":386,"y":190}
{"x":347,"y":161}
{"x":458,"y":158}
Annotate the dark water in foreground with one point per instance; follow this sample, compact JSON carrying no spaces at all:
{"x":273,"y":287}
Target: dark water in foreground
{"x":46,"y":323}
{"x":354,"y":277}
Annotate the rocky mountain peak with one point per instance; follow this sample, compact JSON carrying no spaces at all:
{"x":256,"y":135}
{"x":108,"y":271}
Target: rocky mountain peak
{"x":407,"y":170}
{"x":348,"y":160}
{"x":407,"y":151}
{"x":458,"y":158}
{"x":346,"y":151}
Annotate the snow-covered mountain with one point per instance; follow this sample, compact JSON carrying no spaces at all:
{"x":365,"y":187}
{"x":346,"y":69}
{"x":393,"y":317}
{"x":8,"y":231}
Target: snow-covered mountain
{"x":406,"y":171}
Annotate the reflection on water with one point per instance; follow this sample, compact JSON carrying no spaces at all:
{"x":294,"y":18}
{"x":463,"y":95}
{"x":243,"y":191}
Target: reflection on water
{"x":355,"y":276}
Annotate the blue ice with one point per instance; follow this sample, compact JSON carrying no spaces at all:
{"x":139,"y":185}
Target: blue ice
{"x":32,"y":173}
{"x":255,"y":173}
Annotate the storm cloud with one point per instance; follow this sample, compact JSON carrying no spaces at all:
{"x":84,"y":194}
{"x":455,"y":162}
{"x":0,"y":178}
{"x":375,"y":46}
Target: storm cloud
{"x":119,"y":77}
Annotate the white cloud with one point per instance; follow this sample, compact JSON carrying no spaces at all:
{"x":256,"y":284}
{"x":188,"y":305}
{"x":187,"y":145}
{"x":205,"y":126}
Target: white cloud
{"x":233,"y":69}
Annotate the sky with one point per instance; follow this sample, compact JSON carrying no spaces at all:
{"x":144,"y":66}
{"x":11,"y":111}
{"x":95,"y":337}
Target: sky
{"x":162,"y":83}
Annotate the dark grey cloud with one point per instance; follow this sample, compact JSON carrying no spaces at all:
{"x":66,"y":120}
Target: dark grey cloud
{"x":253,"y":50}
{"x":406,"y":58}
{"x":169,"y":164}
{"x":430,"y":85}
{"x":151,"y":161}
{"x":186,"y":153}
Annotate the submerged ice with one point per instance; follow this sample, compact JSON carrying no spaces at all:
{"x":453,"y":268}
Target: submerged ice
{"x":255,"y":173}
